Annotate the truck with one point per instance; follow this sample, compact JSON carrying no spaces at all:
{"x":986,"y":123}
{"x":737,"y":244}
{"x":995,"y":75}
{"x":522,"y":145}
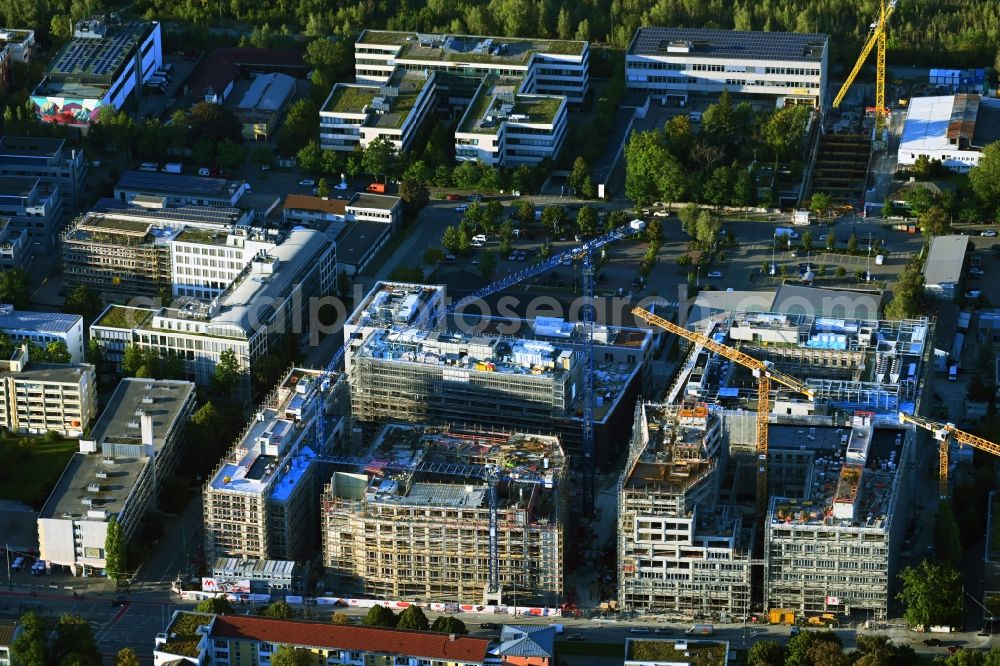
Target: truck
{"x":781,"y":616}
{"x":376,"y":188}
{"x":783,"y":232}
{"x":800,"y":218}
{"x":172,"y":167}
{"x":637,"y":224}
{"x":700,"y":630}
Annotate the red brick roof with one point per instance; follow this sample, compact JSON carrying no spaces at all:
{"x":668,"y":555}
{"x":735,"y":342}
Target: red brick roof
{"x":423,"y":644}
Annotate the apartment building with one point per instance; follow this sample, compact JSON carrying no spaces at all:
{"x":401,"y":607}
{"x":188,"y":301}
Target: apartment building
{"x":249,"y":640}
{"x":117,"y":472}
{"x":671,"y":64}
{"x":271,"y":297}
{"x":102,"y":64}
{"x":152,"y":188}
{"x":41,"y":328}
{"x":38,"y":398}
{"x":13,"y":245}
{"x":680,"y":551}
{"x":51,"y":161}
{"x":401,"y":528}
{"x":502,"y":127}
{"x":835,"y":547}
{"x":262,"y":500}
{"x":134,"y":250}
{"x":406,"y":362}
{"x":36,"y":207}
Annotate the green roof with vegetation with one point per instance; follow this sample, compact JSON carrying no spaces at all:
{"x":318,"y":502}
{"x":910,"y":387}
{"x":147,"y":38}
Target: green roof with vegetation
{"x":519,"y":49}
{"x":994,"y":535}
{"x":386,"y":37}
{"x":120,"y":316}
{"x":477,"y":109}
{"x":703,"y":653}
{"x":409,"y":85}
{"x":538,"y":109}
{"x":182,"y":636}
{"x":196,"y":235}
{"x":349,"y":99}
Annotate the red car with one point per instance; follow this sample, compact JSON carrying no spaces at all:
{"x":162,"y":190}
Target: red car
{"x":454,"y":197}
{"x":954,"y":648}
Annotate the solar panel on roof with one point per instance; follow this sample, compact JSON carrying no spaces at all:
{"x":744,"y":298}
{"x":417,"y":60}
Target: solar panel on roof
{"x":171,"y":183}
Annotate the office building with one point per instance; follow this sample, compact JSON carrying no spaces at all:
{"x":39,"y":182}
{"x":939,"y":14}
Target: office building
{"x":672,"y":64}
{"x":402,"y":369}
{"x":41,"y":328}
{"x":14,"y":246}
{"x":248,"y":640}
{"x":49,"y":160}
{"x":271,"y":297}
{"x":399,"y":528}
{"x":402,"y":77}
{"x":680,"y":551}
{"x":101,"y":65}
{"x":36,"y":207}
{"x":834,"y":548}
{"x":951,"y":129}
{"x":275,"y":577}
{"x":167,"y":189}
{"x":262,"y":104}
{"x":262,"y":500}
{"x":38,"y":398}
{"x":117,"y":473}
{"x":945,"y":264}
{"x":20,"y":44}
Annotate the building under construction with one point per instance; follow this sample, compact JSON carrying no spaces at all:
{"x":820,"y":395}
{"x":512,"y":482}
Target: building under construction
{"x":679,"y":551}
{"x":414,"y":523}
{"x":406,"y":361}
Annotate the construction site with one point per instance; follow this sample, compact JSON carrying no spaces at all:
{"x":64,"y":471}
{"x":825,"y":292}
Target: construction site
{"x":412,"y":521}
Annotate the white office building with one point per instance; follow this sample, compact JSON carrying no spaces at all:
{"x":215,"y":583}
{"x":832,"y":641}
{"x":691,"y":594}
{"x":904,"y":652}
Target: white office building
{"x":41,"y":328}
{"x":674,"y":63}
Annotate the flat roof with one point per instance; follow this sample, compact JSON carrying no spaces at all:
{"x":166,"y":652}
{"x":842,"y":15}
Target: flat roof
{"x":186,"y":214}
{"x":53,"y":373}
{"x":927,"y":121}
{"x":470,"y":48}
{"x":17,"y":186}
{"x":676,"y":455}
{"x":497,"y":103}
{"x":87,"y":67}
{"x":267,"y":93}
{"x":29,"y":147}
{"x":407,"y":85}
{"x":40,"y":322}
{"x":122,"y":316}
{"x":349,"y":98}
{"x":373,"y":201}
{"x":317,"y":204}
{"x":731,"y":44}
{"x":120,"y":455}
{"x":945,"y":259}
{"x":822,"y":302}
{"x":14,"y":36}
{"x":357,"y":239}
{"x":148,"y":181}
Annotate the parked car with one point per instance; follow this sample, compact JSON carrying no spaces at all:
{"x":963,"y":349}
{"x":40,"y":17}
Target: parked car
{"x":119,"y":601}
{"x":661,"y":213}
{"x":204,"y":171}
{"x":973,"y":293}
{"x":575,"y":637}
{"x":715,"y":274}
{"x":307,"y":182}
{"x":932,"y":642}
{"x":976,"y":271}
{"x":639,"y":630}
{"x":489,"y":625}
{"x":989,"y":233}
{"x":461,"y":209}
{"x":454,"y":197}
{"x":952,"y":649}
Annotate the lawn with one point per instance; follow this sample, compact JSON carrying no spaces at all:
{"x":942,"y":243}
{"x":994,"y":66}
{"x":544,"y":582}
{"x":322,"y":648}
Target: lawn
{"x":32,"y":466}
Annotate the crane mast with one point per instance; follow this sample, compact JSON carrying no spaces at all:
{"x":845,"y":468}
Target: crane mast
{"x":876,"y":38}
{"x":944,"y":433}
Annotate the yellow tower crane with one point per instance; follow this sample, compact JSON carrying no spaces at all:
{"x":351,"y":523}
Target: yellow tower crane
{"x":876,"y":35}
{"x":944,"y":433}
{"x":763,"y":371}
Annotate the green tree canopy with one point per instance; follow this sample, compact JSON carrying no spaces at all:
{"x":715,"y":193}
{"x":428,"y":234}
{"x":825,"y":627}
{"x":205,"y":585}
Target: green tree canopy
{"x":413,"y":618}
{"x":379,"y":158}
{"x":114,"y":548}
{"x":214,"y":123}
{"x":784,"y":130}
{"x":414,"y":193}
{"x":447,"y":624}
{"x":586,"y":220}
{"x":14,"y":287}
{"x":228,"y":373}
{"x":29,"y":647}
{"x":907,"y":294}
{"x":214,"y":605}
{"x":75,"y":637}
{"x":286,"y":655}
{"x":380,"y":616}
{"x":301,"y":125}
{"x":83,"y":301}
{"x":932,"y":594}
{"x":279,"y":610}
{"x":821,"y":203}
{"x":766,"y":653}
{"x":126,"y":657}
{"x":985,"y":176}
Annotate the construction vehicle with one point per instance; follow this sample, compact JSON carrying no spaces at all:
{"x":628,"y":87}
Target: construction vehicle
{"x":828,"y":620}
{"x":781,"y":616}
{"x":876,"y":35}
{"x":762,"y":370}
{"x":945,"y":433}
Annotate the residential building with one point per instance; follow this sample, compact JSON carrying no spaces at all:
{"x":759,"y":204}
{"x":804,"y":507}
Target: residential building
{"x":944,"y":266}
{"x":834,"y":548}
{"x":676,"y":652}
{"x":397,"y":529}
{"x":49,"y":160}
{"x":402,"y":370}
{"x":262,"y":500}
{"x":273,"y":577}
{"x":271,"y":297}
{"x":167,"y":189}
{"x":680,"y":551}
{"x":41,"y":328}
{"x":135,"y":250}
{"x":263,"y":103}
{"x":527,"y":645}
{"x":101,"y":65}
{"x":502,"y":127}
{"x":38,"y":398}
{"x":13,"y":245}
{"x":250,"y":640}
{"x":952,"y":129}
{"x":19,"y":43}
{"x":36,"y":207}
{"x":673,"y":64}
{"x":133,"y":447}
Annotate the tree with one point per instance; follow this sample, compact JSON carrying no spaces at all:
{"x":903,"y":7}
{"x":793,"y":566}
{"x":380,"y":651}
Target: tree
{"x":802,"y":649}
{"x":301,"y":125}
{"x":831,"y":241}
{"x":323,"y":188}
{"x":114,"y":548}
{"x":218,"y":605}
{"x":526,"y":212}
{"x":340,"y":618}
{"x":616,"y":218}
{"x":214,"y":123}
{"x":487,"y":265}
{"x":451,"y":239}
{"x":467,"y":175}
{"x":53,"y":352}
{"x":985,"y":176}
{"x":807,"y":240}
{"x":821,"y":203}
{"x":442,"y":176}
{"x":784,"y":130}
{"x":133,"y":358}
{"x":553,"y":217}
{"x":934,"y":222}
{"x":94,"y":353}
{"x":279,"y":610}
{"x":310,"y":157}
{"x":586,"y":220}
{"x":932,"y":594}
{"x":126,"y":657}
{"x":908,"y":294}
{"x":578,"y":174}
{"x":286,"y":655}
{"x":718,"y":187}
{"x":744,"y":189}
{"x":432,"y":256}
{"x":379,"y":158}
{"x":29,"y":647}
{"x":651,"y":171}
{"x":230,"y":154}
{"x":689,"y":219}
{"x":708,"y":228}
{"x":413,"y":618}
{"x":14,"y":288}
{"x":852,"y":244}
{"x":446,"y":624}
{"x":888,"y":210}
{"x":74,"y":638}
{"x":878,"y":650}
{"x":228,"y":372}
{"x":414,"y":193}
{"x":766,"y":653}
{"x":380,"y":616}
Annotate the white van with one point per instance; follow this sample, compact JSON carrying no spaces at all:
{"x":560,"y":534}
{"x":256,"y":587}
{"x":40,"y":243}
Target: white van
{"x":149,"y":166}
{"x":695,"y":116}
{"x":479,"y":238}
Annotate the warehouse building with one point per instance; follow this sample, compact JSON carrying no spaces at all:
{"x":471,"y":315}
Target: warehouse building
{"x":414,"y":523}
{"x":117,"y":473}
{"x":944,"y":266}
{"x":261,"y":503}
{"x":101,"y":65}
{"x":38,"y":398}
{"x":263,"y":103}
{"x":671,"y":64}
{"x":951,"y":129}
{"x":51,"y":161}
{"x":41,"y":328}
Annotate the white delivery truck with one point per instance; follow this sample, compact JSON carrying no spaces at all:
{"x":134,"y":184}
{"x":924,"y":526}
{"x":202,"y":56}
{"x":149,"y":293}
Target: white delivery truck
{"x":783,"y":232}
{"x":172,"y":167}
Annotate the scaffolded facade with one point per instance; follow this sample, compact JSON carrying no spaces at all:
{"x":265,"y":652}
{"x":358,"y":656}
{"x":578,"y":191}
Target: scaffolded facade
{"x":398,"y":530}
